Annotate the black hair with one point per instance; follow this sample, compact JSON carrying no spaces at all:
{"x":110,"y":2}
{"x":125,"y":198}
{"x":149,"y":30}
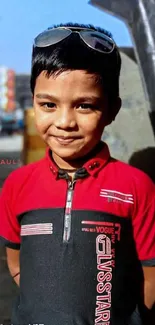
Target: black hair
{"x":73,"y":54}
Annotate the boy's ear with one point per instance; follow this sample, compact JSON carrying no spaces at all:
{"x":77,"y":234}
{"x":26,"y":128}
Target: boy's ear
{"x":114,"y":109}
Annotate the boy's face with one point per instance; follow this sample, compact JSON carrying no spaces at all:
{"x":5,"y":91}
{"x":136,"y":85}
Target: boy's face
{"x":70,"y":112}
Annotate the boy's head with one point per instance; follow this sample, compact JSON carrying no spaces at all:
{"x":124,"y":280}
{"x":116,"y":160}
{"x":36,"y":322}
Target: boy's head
{"x":75,"y":87}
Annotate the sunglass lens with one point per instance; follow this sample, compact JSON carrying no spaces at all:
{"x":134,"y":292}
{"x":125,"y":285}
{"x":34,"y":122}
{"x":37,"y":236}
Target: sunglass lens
{"x":98,"y":41}
{"x":51,"y":37}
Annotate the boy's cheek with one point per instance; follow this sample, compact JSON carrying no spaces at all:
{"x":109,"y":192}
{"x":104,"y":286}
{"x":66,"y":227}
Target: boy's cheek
{"x":40,"y":127}
{"x":42,"y":121}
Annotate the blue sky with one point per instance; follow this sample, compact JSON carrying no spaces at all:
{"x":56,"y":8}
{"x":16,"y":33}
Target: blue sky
{"x":22,"y":20}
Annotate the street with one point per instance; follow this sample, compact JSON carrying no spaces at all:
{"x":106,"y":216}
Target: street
{"x":11,"y":143}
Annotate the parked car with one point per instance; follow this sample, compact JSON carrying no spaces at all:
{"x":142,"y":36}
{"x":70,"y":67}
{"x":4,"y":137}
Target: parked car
{"x":12,"y":122}
{"x":8,"y":122}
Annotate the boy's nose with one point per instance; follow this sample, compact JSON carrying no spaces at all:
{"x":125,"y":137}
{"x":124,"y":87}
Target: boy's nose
{"x":65,"y":120}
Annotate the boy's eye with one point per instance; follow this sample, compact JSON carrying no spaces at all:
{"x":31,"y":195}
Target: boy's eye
{"x":47,"y":105}
{"x":87,"y":106}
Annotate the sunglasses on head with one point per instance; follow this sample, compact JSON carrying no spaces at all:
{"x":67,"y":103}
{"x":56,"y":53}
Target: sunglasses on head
{"x":93,"y":39}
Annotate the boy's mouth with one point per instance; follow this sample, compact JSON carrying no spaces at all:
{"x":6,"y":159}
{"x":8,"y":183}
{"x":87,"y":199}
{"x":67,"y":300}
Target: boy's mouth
{"x":64,"y":140}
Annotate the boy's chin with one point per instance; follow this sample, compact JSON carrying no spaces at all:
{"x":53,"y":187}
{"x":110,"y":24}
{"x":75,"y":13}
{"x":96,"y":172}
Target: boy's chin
{"x":70,"y":152}
{"x":67,"y":154}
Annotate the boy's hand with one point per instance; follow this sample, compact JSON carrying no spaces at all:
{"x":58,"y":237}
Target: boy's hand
{"x":13,"y":264}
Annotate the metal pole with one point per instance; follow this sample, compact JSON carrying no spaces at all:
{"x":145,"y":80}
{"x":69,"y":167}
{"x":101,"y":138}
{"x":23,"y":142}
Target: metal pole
{"x":140,"y":17}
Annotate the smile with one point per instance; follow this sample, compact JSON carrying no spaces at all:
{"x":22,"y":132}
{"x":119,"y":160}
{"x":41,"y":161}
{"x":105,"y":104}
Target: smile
{"x":64,"y":141}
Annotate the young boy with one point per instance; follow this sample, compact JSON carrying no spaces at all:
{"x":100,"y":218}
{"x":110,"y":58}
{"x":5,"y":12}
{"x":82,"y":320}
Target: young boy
{"x":82,"y":222}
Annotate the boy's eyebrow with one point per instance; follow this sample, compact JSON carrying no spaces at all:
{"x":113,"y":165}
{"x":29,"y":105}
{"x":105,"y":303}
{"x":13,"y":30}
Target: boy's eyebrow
{"x":45,"y":96}
{"x":80,"y":98}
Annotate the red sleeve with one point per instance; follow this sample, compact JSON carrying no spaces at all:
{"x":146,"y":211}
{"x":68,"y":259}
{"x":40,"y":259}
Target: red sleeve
{"x":144,"y":219}
{"x":9,"y":226}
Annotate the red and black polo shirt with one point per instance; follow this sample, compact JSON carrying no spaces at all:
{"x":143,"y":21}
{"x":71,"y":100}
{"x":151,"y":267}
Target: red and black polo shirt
{"x":82,"y":243}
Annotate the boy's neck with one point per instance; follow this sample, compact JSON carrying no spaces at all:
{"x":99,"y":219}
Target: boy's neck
{"x":71,"y":165}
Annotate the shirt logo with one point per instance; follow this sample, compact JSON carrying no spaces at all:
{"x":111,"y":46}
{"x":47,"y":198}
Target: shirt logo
{"x":115,"y":196}
{"x":37,"y":229}
{"x":104,"y":279}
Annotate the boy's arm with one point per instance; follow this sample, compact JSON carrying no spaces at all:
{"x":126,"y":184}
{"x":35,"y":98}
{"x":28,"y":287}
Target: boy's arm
{"x":149,"y":286}
{"x":149,"y":295}
{"x":9,"y":225}
{"x":144,"y":235}
{"x":13,"y":264}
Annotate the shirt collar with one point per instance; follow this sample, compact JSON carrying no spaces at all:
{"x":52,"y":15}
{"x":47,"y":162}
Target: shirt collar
{"x":101,"y":156}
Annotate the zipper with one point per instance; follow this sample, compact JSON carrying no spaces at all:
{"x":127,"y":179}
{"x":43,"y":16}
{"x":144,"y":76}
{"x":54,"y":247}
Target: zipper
{"x":68,"y":210}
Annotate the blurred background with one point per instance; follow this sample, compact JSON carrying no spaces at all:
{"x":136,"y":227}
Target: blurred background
{"x":20,"y":22}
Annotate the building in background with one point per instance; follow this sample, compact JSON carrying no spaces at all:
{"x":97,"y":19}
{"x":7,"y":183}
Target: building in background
{"x":7,"y":89}
{"x":7,"y":100}
{"x":22,"y":92}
